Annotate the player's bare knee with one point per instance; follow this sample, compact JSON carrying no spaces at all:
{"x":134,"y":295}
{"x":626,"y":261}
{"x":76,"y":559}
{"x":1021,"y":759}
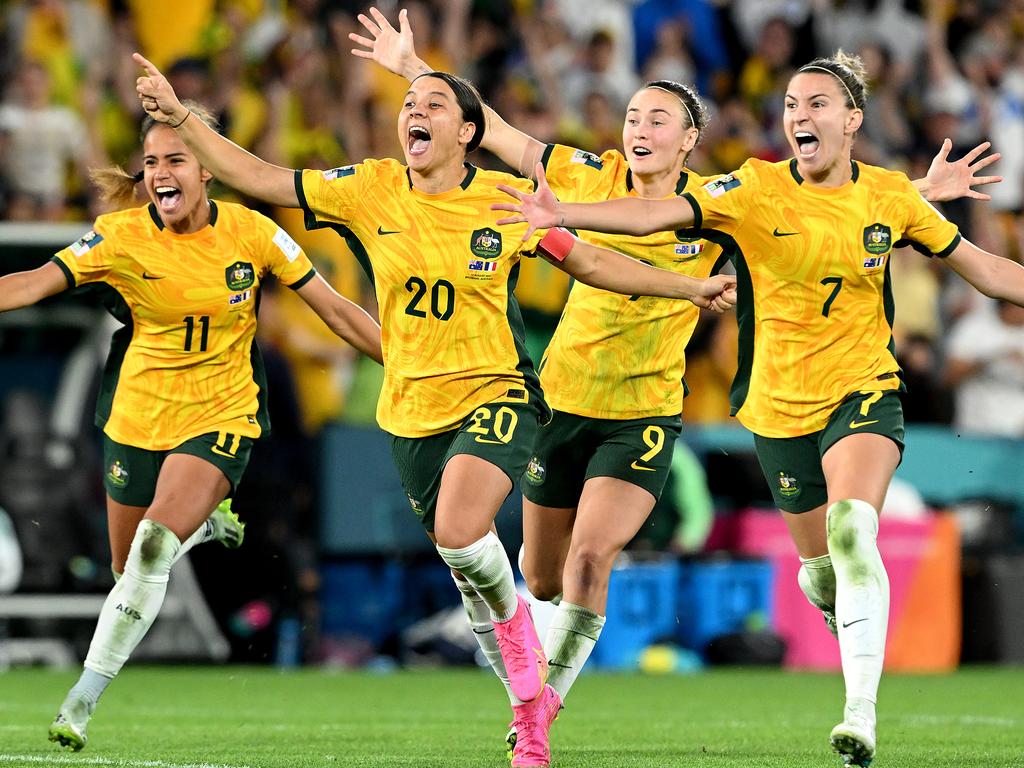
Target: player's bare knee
{"x":591,"y":566}
{"x":542,"y":585}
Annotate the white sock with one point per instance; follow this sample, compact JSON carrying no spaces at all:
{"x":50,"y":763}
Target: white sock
{"x":479,"y":617}
{"x":204,"y":533}
{"x":135,"y":600}
{"x":485,"y":566}
{"x":817,"y":579}
{"x":572,"y":635}
{"x":862,"y":599}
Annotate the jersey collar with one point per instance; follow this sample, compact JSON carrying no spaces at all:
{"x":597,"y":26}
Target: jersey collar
{"x":680,"y":184}
{"x":854,"y":171}
{"x":160,"y":224}
{"x":470,"y":173}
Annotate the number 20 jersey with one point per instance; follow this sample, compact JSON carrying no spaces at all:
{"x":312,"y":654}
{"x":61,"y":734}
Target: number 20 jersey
{"x":185,"y":363}
{"x":443,"y":273}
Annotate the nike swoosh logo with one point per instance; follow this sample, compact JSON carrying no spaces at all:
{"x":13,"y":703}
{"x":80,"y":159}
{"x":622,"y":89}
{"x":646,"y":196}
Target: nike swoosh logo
{"x":482,"y":439}
{"x":382,"y":231}
{"x":856,"y":424}
{"x":783,"y":234}
{"x":219,"y":452}
{"x":147,"y":276}
{"x":851,"y":623}
{"x":560,"y":666}
{"x":643,"y":469}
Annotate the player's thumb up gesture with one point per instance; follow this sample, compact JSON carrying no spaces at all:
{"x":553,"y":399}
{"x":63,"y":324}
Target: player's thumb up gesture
{"x":157,"y":96}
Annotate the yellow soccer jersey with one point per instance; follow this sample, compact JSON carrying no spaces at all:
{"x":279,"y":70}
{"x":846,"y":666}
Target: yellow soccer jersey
{"x":185,"y":363}
{"x":815,"y":302}
{"x":615,"y":356}
{"x":443,"y":272}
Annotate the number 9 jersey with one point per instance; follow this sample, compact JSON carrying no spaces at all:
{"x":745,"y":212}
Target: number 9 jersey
{"x":443,"y":272}
{"x":185,"y":363}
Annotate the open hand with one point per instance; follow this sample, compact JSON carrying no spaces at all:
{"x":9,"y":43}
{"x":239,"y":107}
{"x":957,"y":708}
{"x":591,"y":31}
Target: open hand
{"x":392,"y":49}
{"x":949,"y":181}
{"x":539,"y":210}
{"x":156,"y":94}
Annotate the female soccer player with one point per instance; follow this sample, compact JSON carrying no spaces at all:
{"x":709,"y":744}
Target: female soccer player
{"x":817,"y":381}
{"x":460,"y":397}
{"x":183,"y":395}
{"x":614,"y":369}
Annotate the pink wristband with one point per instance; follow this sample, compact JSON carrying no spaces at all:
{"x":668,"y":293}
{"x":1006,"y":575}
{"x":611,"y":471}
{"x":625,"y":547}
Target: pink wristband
{"x":557,"y":243}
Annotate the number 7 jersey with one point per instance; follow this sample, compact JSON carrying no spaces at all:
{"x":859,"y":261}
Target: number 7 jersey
{"x":185,"y":363}
{"x":815,"y":306}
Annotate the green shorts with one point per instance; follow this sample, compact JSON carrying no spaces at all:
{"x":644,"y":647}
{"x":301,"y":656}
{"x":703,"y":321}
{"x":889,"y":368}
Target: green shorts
{"x":572,"y":449}
{"x":500,"y":433}
{"x":131,"y":472}
{"x":792,"y":465}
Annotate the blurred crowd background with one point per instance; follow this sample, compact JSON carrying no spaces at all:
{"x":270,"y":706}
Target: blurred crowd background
{"x":280,"y":77}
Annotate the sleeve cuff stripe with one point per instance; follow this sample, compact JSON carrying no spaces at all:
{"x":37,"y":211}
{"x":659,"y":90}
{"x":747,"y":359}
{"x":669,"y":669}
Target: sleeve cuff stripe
{"x":698,"y":215}
{"x":67,"y":272}
{"x":303,"y":280}
{"x":951,"y":247}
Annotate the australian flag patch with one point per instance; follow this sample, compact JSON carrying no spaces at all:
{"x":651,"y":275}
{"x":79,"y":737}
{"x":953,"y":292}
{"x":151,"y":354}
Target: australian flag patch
{"x":479,"y":265}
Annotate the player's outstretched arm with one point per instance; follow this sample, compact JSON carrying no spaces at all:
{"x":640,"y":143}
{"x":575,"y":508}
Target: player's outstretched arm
{"x":949,"y":181}
{"x":612,"y":271}
{"x":623,"y":216}
{"x":395,"y":50}
{"x":220,"y":156}
{"x":994,"y":276}
{"x":347,"y":319}
{"x":23,"y":289}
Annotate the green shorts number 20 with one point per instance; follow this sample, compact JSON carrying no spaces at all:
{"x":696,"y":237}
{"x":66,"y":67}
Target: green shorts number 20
{"x":501,"y":433}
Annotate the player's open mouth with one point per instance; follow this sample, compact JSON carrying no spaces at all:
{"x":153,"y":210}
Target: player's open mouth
{"x":168,"y":197}
{"x":642,"y":152}
{"x":419,"y":140}
{"x":807,"y":143}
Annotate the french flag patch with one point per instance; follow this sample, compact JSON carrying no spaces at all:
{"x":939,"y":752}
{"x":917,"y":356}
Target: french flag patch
{"x":479,"y":265}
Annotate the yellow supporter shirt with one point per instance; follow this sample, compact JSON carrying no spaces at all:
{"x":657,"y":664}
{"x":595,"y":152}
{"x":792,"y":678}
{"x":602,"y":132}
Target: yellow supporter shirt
{"x":443,"y":272}
{"x":815,"y":306}
{"x":185,"y":363}
{"x":615,"y":356}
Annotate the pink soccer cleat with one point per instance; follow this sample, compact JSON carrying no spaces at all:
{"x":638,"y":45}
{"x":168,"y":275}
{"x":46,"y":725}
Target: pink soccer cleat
{"x":532,"y":724}
{"x":522,"y":652}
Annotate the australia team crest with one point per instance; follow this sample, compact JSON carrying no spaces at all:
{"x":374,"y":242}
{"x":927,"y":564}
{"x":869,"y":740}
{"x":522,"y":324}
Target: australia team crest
{"x":240,"y":276}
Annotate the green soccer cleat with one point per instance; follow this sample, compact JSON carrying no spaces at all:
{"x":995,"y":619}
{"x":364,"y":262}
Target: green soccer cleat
{"x":227,"y":528}
{"x":68,"y":727}
{"x":854,"y":740}
{"x":510,"y":741}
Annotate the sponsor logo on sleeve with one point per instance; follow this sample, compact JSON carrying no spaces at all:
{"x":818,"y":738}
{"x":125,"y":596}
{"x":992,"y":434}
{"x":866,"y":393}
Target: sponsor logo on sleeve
{"x":86,"y":243}
{"x":719,"y":187}
{"x":288,"y":247}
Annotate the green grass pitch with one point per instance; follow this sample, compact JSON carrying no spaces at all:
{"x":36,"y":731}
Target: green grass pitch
{"x":173,"y":717}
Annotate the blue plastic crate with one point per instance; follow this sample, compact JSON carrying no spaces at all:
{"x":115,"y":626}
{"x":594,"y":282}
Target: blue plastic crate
{"x":716,"y":598}
{"x":642,"y":605}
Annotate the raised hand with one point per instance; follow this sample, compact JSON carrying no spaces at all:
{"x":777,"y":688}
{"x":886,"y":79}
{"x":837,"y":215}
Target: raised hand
{"x":949,"y":181}
{"x":539,"y":210}
{"x":157,"y":96}
{"x":392,"y":49}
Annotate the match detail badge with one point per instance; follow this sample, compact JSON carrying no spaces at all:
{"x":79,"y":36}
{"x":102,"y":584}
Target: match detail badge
{"x":719,"y":187}
{"x":339,"y":173}
{"x":485,"y":243}
{"x":118,"y":475}
{"x":788,"y":486}
{"x":240,"y":276}
{"x":877,"y":240}
{"x":588,"y":159}
{"x":288,"y":247}
{"x":86,"y":243}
